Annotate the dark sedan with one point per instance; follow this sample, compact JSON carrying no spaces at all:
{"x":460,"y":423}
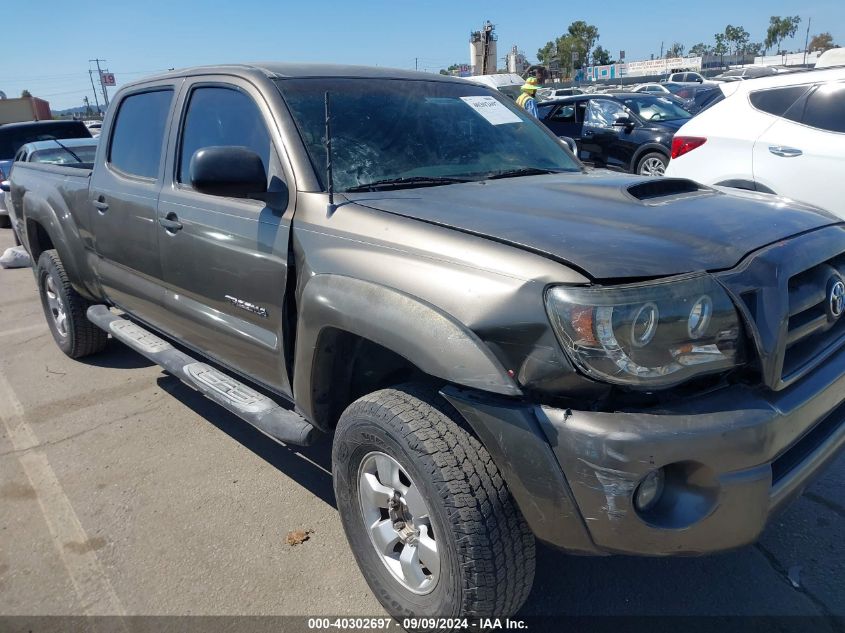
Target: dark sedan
{"x":627,"y":132}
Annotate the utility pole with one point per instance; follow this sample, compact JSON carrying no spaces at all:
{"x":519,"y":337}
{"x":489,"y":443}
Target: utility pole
{"x":102,"y":85}
{"x":807,"y":40}
{"x":416,"y":63}
{"x":96,"y":101}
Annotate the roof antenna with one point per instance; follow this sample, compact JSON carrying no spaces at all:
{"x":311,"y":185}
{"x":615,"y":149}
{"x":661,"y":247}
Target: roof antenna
{"x":329,"y":176}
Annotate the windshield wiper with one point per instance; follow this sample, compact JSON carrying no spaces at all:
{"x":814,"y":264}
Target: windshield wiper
{"x":407,"y":182}
{"x":64,"y":147}
{"x":522,"y":171}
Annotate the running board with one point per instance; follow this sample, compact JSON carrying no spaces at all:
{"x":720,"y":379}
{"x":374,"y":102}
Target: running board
{"x":257,"y":409}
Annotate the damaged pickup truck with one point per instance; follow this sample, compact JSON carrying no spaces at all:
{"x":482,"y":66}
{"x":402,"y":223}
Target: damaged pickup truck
{"x":502,"y":345}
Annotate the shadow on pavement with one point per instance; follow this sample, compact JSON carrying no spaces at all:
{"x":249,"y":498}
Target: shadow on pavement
{"x":117,"y":356}
{"x":309,"y":466}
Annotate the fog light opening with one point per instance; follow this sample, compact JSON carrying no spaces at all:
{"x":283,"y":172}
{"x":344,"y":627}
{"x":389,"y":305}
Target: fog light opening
{"x":649,"y":491}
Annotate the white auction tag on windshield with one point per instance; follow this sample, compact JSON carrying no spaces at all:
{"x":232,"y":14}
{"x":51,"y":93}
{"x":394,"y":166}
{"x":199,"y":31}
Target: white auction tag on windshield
{"x":492,"y":110}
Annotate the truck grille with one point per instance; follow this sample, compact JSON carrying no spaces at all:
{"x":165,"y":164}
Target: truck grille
{"x":812,"y":330}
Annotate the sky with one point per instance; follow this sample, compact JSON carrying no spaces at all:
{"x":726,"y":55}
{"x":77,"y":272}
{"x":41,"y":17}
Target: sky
{"x":48,"y":43}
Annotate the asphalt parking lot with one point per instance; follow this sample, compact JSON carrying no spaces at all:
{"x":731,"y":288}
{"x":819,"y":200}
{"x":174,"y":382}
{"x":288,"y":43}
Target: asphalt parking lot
{"x":124,"y":492}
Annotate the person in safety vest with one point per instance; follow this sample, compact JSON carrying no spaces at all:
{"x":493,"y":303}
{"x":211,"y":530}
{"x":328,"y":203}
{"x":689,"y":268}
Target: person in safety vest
{"x":526,"y":100}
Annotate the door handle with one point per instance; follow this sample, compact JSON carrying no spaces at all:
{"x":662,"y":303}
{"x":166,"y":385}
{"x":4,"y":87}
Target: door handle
{"x":785,"y":152}
{"x":101,"y":205}
{"x":171,"y":223}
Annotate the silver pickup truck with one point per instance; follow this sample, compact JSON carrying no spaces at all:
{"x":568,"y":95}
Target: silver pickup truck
{"x":501,"y":345}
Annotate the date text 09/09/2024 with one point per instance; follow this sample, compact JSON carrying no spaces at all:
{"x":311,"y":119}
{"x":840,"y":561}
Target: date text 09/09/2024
{"x":446,"y":624}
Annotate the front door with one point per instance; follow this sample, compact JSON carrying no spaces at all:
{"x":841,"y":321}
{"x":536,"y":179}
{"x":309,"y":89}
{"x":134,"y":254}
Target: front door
{"x":599,"y":135}
{"x":124,"y":195}
{"x":225,"y":260}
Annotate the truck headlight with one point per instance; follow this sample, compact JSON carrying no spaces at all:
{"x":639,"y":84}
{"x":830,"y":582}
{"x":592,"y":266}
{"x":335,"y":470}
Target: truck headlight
{"x":654,"y":334}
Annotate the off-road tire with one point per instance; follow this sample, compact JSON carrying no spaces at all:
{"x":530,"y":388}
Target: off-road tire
{"x":83,"y":337}
{"x":488,"y":559}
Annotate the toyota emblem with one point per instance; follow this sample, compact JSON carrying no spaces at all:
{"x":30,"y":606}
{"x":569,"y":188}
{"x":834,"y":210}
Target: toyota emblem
{"x":835,"y":297}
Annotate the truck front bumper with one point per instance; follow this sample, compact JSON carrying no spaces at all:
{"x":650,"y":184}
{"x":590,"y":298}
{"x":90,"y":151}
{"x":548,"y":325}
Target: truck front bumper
{"x":730,"y":460}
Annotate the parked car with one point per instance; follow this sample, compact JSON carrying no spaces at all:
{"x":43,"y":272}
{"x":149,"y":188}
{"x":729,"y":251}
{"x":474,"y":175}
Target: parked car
{"x":59,"y":152}
{"x":13,"y":135}
{"x":626,"y":131}
{"x":832,"y":57}
{"x":509,"y":84}
{"x":652,"y":88}
{"x":696,"y":97}
{"x":686,"y":77}
{"x":783,"y":134}
{"x":502,"y":345}
{"x":749,"y":72}
{"x":544,"y":94}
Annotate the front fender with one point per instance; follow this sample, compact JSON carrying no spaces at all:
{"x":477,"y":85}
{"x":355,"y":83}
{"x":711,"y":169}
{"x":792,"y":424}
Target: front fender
{"x":421,"y":333}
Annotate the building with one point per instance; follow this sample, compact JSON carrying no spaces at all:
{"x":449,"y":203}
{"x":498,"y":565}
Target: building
{"x":482,"y":50}
{"x":516,"y":61}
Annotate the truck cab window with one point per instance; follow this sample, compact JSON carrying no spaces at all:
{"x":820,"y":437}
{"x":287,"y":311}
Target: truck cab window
{"x":221,"y":117}
{"x":139,"y":133}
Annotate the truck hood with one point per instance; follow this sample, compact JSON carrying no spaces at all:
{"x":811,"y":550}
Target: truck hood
{"x":609,"y":227}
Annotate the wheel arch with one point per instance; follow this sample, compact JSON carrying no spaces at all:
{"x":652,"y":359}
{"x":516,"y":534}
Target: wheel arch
{"x":44,"y":231}
{"x":647,"y":148}
{"x":410,"y":339}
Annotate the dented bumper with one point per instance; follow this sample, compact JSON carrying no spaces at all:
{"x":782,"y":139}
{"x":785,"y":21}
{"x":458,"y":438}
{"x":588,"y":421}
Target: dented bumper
{"x":731,"y":459}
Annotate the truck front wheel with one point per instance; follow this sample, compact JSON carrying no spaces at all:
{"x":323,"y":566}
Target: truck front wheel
{"x":431,"y":523}
{"x":65,"y":309}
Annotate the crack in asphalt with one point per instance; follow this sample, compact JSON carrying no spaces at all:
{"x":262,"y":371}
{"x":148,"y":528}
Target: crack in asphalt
{"x":835,"y":622}
{"x":83,"y":432}
{"x":827,"y":503}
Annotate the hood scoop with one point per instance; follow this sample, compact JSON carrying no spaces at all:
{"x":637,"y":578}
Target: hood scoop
{"x":664,"y":187}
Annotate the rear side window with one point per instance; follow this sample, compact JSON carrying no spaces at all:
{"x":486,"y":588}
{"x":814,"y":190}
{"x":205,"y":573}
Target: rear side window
{"x":825,"y":108}
{"x":777,"y":101}
{"x":222,"y":116}
{"x":139,"y":133}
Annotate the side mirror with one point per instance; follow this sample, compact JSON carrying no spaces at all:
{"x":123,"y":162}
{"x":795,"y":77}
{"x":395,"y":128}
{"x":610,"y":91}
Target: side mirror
{"x":233,"y":172}
{"x":624,"y":121}
{"x":5,"y":186}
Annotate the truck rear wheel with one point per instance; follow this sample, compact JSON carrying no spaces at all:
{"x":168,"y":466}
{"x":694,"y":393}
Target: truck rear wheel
{"x":65,"y":309}
{"x":431,"y":523}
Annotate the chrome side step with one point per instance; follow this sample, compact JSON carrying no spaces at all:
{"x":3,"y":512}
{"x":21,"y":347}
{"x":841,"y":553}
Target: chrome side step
{"x":246,"y":403}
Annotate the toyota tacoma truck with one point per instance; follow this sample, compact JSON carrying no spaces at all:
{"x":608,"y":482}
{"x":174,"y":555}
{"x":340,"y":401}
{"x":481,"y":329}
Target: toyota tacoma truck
{"x":502,"y":346}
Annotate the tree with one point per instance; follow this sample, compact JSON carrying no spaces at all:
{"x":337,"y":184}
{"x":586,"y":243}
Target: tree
{"x":738,"y":37}
{"x":578,"y":41}
{"x":721,"y":47}
{"x":821,"y":42}
{"x":547,"y":53}
{"x":754,"y":48}
{"x":700,"y":50}
{"x":583,"y":37}
{"x":26,"y":93}
{"x":448,"y":71}
{"x":676,"y":50}
{"x":601,"y":57}
{"x":780,"y":29}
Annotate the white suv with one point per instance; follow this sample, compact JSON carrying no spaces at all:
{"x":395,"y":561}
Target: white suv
{"x":783,"y":134}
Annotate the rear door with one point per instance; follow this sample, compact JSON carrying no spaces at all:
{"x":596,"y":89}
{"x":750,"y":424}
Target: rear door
{"x":225,"y":269}
{"x":803,"y":152}
{"x":124,"y":192}
{"x":563,"y":122}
